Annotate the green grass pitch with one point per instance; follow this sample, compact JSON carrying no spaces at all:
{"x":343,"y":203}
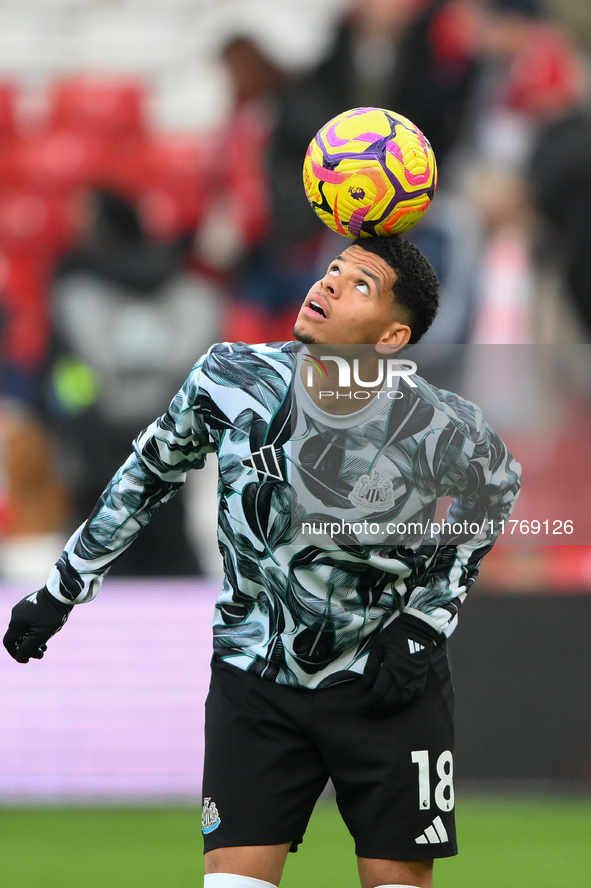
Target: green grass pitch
{"x":504,"y":843}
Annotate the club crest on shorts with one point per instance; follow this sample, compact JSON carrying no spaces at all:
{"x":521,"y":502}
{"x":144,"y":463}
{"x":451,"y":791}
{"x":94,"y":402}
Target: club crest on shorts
{"x":210,"y":818}
{"x":373,"y":492}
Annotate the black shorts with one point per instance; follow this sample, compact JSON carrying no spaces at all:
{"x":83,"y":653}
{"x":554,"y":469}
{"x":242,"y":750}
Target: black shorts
{"x":270,"y":750}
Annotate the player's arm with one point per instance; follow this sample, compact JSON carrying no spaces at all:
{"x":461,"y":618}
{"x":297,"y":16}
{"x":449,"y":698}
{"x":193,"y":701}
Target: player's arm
{"x":484,"y":479}
{"x":156,"y":469}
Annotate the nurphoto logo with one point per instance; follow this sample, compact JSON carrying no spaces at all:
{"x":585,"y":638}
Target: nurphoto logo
{"x":387,"y":368}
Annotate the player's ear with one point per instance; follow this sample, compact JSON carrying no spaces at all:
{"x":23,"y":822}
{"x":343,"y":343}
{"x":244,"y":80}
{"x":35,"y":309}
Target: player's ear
{"x":394,"y":337}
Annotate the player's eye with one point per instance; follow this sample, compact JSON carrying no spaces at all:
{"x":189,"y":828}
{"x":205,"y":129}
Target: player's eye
{"x":334,"y":269}
{"x":364,"y":287}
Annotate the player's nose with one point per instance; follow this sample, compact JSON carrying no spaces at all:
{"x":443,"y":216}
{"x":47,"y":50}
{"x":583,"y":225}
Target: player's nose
{"x":330,"y":284}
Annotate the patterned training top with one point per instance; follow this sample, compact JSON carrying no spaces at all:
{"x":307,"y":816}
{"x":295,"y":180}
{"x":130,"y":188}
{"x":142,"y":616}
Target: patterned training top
{"x":327,"y":524}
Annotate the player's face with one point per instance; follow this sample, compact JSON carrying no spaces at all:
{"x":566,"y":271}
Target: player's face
{"x":353,"y":304}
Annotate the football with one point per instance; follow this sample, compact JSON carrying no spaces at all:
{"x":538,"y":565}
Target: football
{"x":370,"y":172}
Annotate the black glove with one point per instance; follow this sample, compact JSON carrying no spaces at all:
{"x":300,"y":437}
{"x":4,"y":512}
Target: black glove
{"x":396,"y":669}
{"x":33,"y":621}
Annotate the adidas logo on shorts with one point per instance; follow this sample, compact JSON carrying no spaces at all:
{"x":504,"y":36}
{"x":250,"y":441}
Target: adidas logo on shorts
{"x":414,"y":647}
{"x":435,"y":834}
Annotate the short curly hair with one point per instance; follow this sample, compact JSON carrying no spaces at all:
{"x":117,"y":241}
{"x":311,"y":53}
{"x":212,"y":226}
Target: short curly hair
{"x":416,"y":288}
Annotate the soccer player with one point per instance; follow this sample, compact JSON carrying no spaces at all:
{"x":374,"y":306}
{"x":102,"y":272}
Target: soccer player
{"x":329,"y":651}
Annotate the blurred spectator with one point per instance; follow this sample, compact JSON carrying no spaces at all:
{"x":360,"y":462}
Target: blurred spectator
{"x":525,"y":65}
{"x":529,"y":70}
{"x":238,"y":217}
{"x":126,"y":325}
{"x":560,"y":176}
{"x":237,"y":221}
{"x":31,"y":500}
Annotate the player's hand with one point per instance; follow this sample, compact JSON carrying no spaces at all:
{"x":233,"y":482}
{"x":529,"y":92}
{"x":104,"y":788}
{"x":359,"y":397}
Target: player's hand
{"x":396,"y":669}
{"x":33,"y":621}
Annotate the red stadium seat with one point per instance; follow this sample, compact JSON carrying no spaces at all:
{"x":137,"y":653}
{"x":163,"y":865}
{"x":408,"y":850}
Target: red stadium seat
{"x":168,"y":212}
{"x":58,"y":160}
{"x":8,"y":128}
{"x":164,"y":159}
{"x":167,"y":177}
{"x":23,"y":302}
{"x":178,"y":155}
{"x":34,"y":223}
{"x":8,"y":101}
{"x":104,"y":105}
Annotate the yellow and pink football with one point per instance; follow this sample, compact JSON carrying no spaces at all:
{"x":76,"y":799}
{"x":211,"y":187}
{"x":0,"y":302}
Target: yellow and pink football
{"x":370,"y":172}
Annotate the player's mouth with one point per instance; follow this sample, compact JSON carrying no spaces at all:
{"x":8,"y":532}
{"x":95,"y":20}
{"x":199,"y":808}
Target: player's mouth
{"x":315,"y":307}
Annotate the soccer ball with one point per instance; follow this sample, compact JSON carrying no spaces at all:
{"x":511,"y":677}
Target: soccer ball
{"x":370,"y":172}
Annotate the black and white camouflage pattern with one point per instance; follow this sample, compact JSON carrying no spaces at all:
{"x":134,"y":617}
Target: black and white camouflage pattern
{"x":297,"y":611}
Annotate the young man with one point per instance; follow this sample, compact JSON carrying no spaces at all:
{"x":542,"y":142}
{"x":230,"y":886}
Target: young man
{"x":329,"y":656}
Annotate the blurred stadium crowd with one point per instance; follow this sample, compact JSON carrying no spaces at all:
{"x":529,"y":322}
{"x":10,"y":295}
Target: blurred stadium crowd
{"x":151,"y":203}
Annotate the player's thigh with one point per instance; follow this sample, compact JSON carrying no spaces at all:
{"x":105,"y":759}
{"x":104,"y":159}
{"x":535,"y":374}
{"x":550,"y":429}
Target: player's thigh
{"x":262,"y":775}
{"x":394,"y":775}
